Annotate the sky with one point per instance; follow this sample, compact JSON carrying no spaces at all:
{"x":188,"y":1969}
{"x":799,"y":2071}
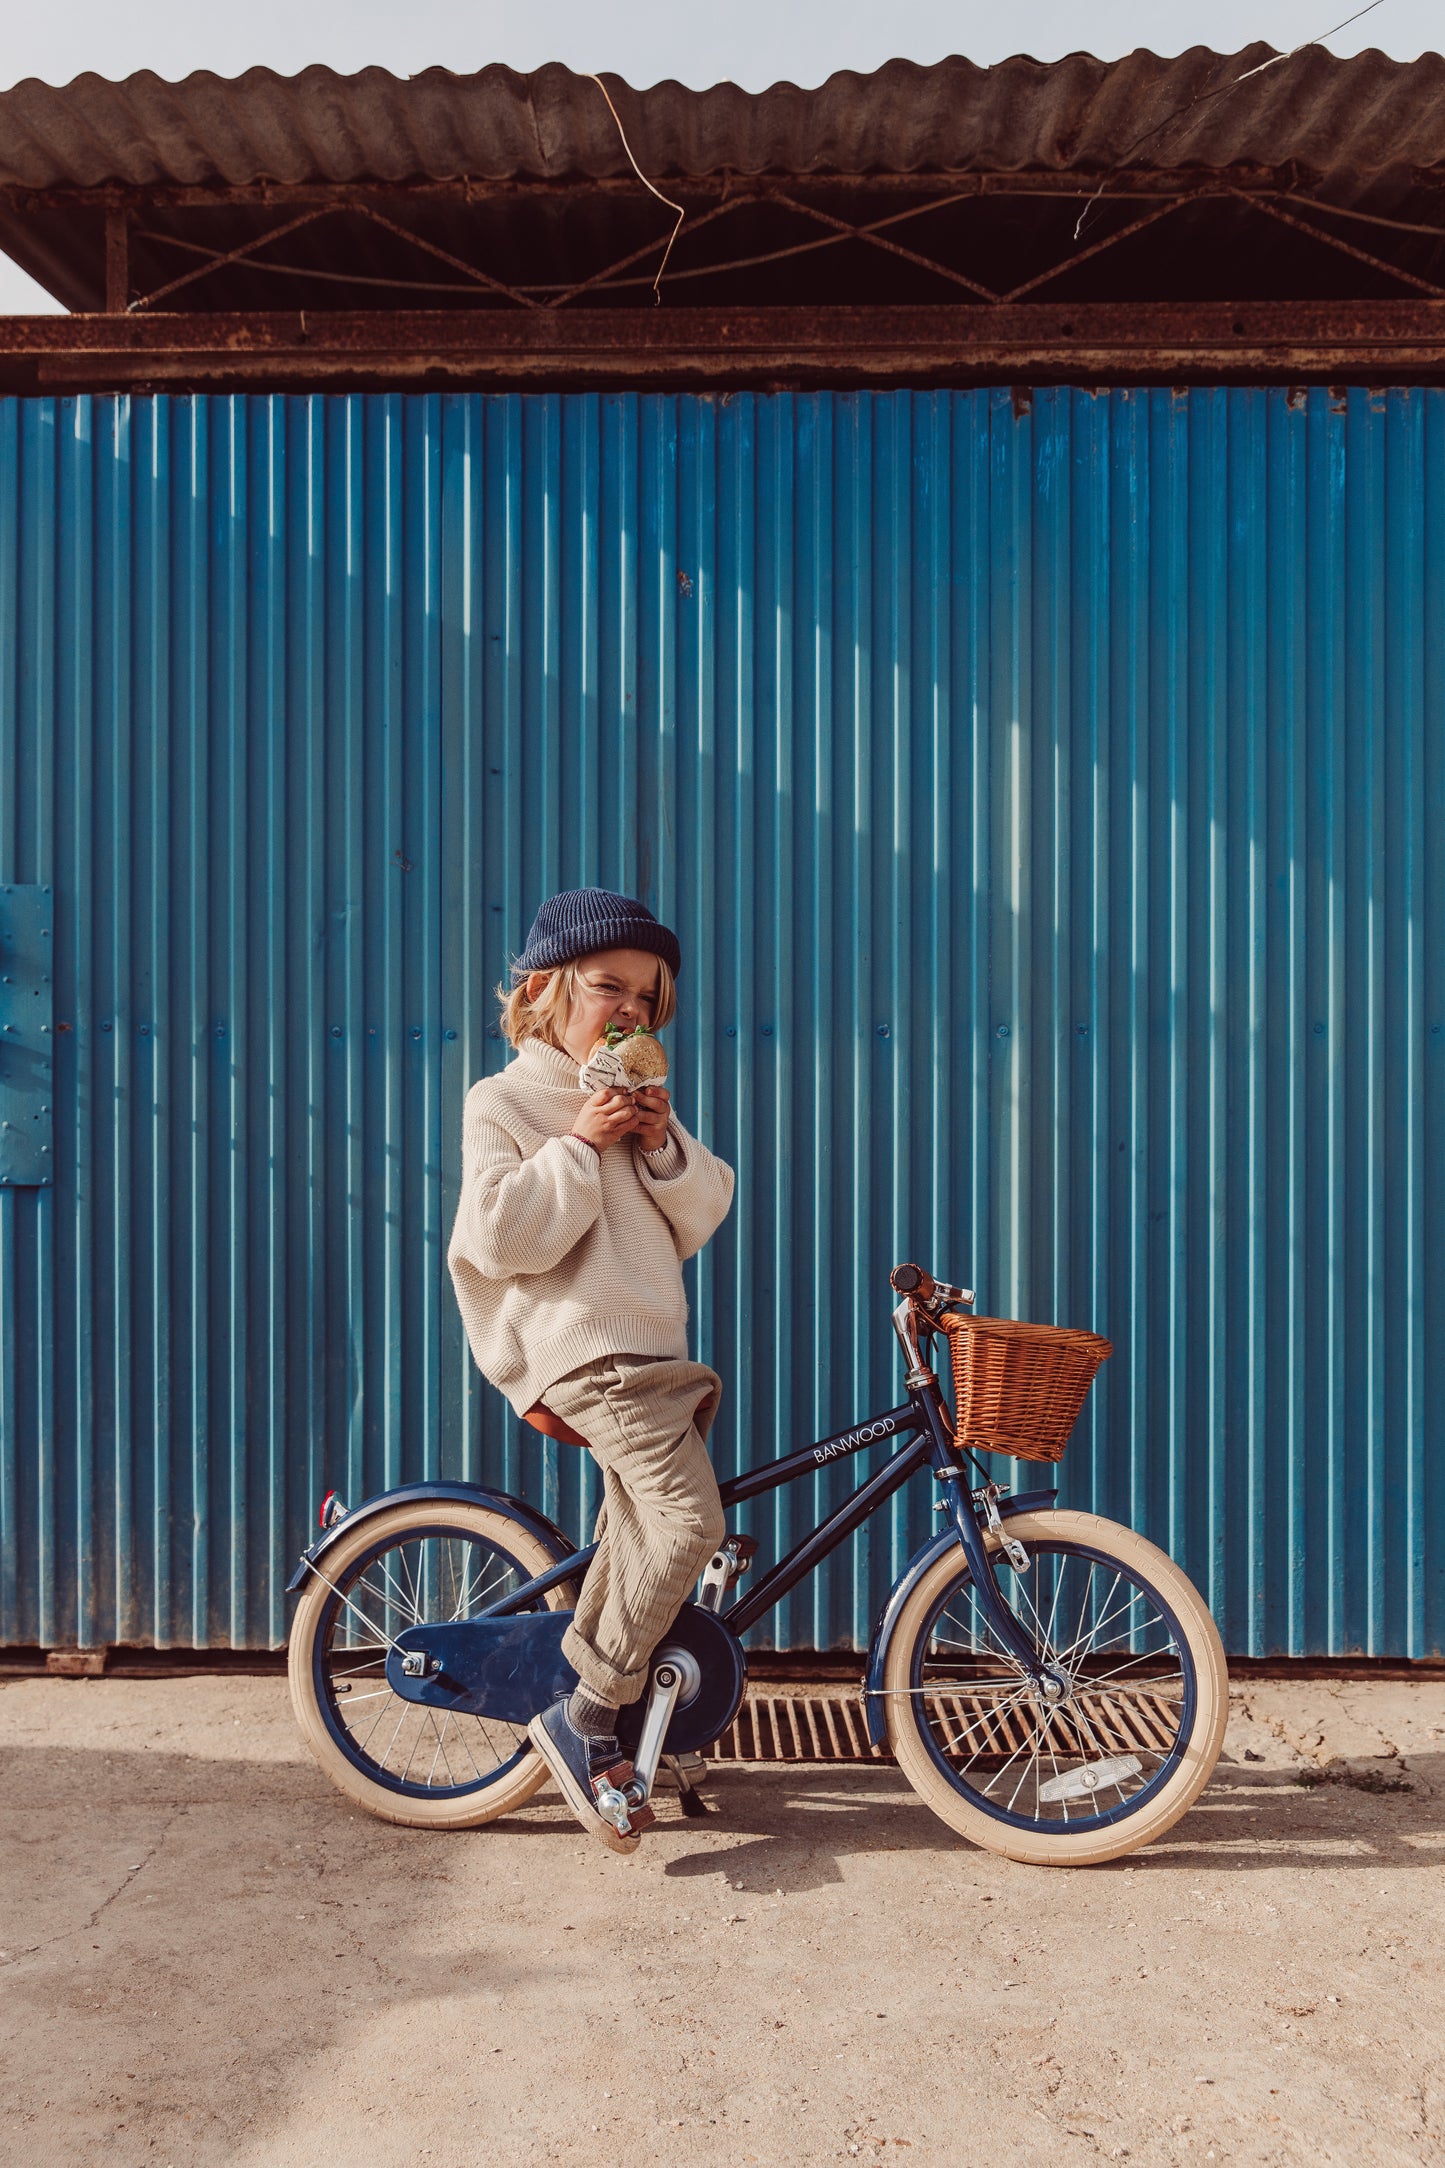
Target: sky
{"x":751,"y":42}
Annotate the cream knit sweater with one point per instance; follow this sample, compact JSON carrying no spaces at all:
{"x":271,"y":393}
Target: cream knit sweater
{"x":558,"y":1253}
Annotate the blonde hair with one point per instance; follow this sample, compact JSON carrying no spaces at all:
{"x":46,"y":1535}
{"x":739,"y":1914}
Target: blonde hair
{"x":545,"y":1018}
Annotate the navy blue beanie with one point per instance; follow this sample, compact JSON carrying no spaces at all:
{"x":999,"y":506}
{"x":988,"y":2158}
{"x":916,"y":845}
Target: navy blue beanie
{"x":582,"y":920}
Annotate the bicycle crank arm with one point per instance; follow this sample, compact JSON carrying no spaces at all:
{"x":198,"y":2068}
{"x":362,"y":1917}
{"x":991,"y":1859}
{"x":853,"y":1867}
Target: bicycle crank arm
{"x":674,"y":1672}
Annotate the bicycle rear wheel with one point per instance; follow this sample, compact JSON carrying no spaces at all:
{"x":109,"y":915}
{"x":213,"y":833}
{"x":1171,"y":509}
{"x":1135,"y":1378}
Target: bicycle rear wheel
{"x":419,"y":1561}
{"x":1124,"y":1754}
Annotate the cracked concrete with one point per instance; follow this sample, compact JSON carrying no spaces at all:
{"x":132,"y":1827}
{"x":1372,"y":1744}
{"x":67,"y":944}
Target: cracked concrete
{"x":1378,"y":1735}
{"x":208,"y":1957}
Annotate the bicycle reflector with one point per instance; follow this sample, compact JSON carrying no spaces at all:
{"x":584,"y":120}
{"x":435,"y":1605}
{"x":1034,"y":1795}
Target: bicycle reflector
{"x":1092,"y":1777}
{"x":333,"y":1509}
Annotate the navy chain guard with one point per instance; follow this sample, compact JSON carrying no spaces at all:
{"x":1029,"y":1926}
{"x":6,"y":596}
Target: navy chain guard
{"x":510,"y":1669}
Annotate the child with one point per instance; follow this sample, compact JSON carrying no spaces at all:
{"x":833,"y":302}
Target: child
{"x":576,"y":1212}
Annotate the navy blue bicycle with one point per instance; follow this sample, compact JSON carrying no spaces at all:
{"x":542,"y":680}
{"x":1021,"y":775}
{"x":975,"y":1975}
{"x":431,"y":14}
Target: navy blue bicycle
{"x":1051,"y":1684}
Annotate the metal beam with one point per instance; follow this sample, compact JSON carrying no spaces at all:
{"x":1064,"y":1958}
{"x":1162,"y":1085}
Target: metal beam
{"x":1147,"y":182}
{"x":117,"y":262}
{"x":721,"y":349}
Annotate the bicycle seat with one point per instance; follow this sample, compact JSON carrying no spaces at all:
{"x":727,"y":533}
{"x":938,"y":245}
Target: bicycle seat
{"x":552,"y":1426}
{"x":542,"y":1418}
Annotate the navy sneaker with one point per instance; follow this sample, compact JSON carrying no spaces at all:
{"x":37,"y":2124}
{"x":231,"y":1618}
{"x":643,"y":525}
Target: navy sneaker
{"x":583,"y":1767}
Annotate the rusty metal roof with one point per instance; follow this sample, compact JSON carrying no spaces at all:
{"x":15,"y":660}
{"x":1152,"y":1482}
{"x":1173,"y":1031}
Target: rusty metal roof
{"x":1206,"y":177}
{"x":1330,"y":117}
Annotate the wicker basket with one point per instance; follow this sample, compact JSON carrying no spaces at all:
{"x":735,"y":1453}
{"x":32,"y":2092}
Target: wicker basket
{"x":1018,"y":1388}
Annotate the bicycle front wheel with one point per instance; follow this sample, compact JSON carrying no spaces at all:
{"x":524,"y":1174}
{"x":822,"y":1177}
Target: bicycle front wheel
{"x":1121,"y":1756}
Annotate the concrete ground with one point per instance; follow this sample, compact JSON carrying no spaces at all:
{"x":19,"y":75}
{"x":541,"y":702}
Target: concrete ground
{"x":210,"y":1957}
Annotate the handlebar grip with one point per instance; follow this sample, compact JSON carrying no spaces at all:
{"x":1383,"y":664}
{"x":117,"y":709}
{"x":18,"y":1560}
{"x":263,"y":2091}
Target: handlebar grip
{"x":910,"y":1280}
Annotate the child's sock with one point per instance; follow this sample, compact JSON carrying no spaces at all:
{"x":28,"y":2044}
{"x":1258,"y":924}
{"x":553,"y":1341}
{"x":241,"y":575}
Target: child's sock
{"x":589,"y":1714}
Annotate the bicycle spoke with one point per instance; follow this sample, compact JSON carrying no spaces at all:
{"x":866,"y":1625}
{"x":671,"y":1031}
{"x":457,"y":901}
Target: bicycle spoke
{"x":1024,"y":1774}
{"x":1054,"y":1764}
{"x":1004,"y":1742}
{"x":948,"y":1686}
{"x":1084,"y":1605}
{"x":402,"y":1567}
{"x":406,"y":1599}
{"x":1009,"y":1763}
{"x":391,"y":1742}
{"x":437,"y":1756}
{"x":1023,"y":1588}
{"x":1154,"y":1681}
{"x":383,"y":1597}
{"x":366,"y":1622}
{"x":413,"y":1746}
{"x":471,"y":1757}
{"x":355,"y":1671}
{"x":471,"y":1594}
{"x":1065,"y":1654}
{"x":999,"y":1709}
{"x":1108,"y":1649}
{"x":1054,"y":1610}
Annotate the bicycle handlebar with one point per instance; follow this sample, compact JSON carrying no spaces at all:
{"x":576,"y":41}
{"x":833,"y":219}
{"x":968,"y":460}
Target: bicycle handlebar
{"x":913,"y":1280}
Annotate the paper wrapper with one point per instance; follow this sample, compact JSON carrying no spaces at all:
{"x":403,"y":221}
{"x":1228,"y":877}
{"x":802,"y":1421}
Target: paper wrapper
{"x":604,"y":1072}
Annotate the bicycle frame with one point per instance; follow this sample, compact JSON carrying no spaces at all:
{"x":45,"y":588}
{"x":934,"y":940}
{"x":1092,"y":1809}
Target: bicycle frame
{"x":921,"y":1419}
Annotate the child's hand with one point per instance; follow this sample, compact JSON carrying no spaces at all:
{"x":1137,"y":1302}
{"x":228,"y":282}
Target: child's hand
{"x":653,"y":1107}
{"x":606,"y":1118}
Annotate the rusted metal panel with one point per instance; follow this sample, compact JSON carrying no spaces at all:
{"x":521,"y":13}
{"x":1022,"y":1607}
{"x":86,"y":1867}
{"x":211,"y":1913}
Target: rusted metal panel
{"x":699,"y":188}
{"x":801,"y":242}
{"x":1359,"y":115}
{"x":370,"y":191}
{"x":724,"y":349}
{"x":27,"y":1035}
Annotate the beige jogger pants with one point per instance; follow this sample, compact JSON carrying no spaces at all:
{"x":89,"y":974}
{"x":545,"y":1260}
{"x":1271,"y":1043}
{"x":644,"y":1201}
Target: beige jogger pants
{"x":661,"y":1517}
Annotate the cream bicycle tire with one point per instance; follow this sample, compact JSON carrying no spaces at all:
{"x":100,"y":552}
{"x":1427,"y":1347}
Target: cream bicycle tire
{"x":469,"y":1809}
{"x":1053,"y":1846}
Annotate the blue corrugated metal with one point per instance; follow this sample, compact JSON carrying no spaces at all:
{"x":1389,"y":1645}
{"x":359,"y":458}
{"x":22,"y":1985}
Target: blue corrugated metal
{"x":1042,"y":792}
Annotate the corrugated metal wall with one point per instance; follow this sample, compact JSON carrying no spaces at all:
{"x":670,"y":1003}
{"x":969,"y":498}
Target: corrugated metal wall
{"x":1042,"y":791}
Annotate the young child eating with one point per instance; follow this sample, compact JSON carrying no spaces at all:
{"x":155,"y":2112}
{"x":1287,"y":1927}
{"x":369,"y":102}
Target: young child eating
{"x":577,"y":1210}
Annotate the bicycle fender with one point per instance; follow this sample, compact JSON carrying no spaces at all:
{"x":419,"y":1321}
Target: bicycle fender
{"x":449,"y":1493}
{"x":921,"y":1562}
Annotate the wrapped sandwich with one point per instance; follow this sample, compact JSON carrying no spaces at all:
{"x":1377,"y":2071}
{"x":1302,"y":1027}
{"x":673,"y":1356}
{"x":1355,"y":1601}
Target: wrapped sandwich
{"x":625,"y":1061}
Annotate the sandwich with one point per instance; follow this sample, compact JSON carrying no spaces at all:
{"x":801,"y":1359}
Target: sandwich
{"x":625,"y":1061}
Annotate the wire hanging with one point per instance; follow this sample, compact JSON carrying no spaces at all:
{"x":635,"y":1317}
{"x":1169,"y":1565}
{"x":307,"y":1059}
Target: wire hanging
{"x":647,"y":184}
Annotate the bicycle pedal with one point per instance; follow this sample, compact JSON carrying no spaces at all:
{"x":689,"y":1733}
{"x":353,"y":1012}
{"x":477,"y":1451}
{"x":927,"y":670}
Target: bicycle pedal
{"x":616,"y":1791}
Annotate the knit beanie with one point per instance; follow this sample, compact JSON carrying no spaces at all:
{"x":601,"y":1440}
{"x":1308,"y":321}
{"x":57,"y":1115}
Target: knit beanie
{"x":582,"y":920}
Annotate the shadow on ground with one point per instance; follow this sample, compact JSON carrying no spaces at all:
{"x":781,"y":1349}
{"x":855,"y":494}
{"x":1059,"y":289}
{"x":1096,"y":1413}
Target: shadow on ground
{"x":211,"y":1956}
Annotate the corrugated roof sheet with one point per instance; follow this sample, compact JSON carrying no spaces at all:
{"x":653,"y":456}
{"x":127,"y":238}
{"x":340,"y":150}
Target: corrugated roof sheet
{"x":1359,"y":115}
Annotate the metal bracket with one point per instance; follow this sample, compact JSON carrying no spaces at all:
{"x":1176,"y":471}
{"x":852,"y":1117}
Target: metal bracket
{"x":683,"y":1768}
{"x":729,"y":1562}
{"x":27,"y":1039}
{"x":988,"y":1498}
